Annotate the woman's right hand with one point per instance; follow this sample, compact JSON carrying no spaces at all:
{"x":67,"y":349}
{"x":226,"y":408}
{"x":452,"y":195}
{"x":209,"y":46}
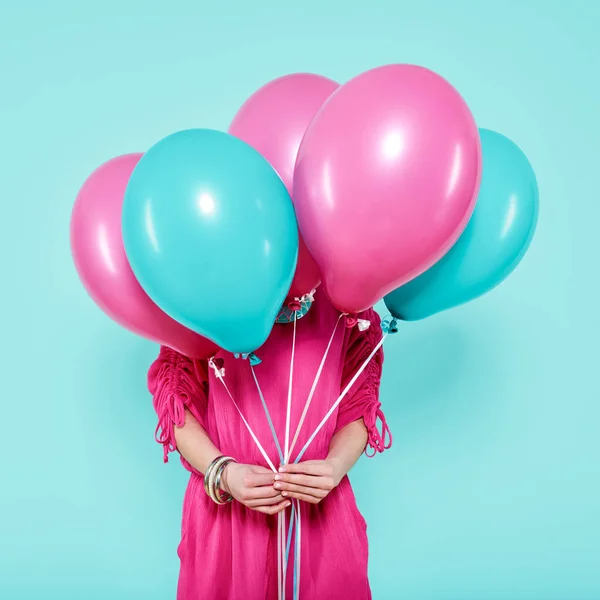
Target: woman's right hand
{"x":253,"y":487}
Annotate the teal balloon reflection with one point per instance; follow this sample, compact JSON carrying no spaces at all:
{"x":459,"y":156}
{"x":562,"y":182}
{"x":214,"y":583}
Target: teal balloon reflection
{"x":493,"y":243}
{"x":211,"y":235}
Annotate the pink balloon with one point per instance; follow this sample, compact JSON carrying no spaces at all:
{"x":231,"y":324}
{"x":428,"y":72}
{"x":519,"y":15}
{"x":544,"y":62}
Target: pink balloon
{"x":99,"y":255}
{"x":385,"y":182}
{"x":273,"y":121}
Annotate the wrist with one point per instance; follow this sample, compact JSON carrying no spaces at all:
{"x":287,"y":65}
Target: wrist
{"x":212,"y":480}
{"x":224,"y":477}
{"x":337,"y":469}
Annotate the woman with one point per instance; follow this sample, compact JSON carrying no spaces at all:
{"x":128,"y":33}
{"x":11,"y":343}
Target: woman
{"x":229,"y":552}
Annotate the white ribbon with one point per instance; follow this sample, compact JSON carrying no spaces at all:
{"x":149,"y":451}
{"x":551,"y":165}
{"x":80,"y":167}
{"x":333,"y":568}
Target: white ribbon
{"x":280,"y":555}
{"x":298,"y":552}
{"x":219,"y":373}
{"x":309,"y":297}
{"x":288,"y":416}
{"x":363,"y":324}
{"x":314,"y":384}
{"x":341,"y":397}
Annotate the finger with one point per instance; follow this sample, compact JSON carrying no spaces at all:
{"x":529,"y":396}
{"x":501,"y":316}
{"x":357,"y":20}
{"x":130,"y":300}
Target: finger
{"x":303,"y":497}
{"x":260,"y":469}
{"x":286,"y":488}
{"x":273,"y":510}
{"x":315,"y":481}
{"x":259,"y":479}
{"x":307,"y":468}
{"x":265,"y":501}
{"x":256,"y":493}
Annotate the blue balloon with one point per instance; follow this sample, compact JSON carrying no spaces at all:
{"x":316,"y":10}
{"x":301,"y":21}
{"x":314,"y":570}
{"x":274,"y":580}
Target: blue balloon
{"x":493,"y":243}
{"x":211,"y":235}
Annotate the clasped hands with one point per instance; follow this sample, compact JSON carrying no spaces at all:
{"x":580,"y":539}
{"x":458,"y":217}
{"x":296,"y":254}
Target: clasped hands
{"x":262,"y":490}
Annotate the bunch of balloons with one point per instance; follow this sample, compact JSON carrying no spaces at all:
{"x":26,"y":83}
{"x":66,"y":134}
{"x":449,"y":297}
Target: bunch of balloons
{"x":382,"y":187}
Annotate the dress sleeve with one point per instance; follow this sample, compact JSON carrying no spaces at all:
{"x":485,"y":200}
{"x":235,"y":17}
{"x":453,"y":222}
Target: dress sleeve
{"x":362,"y":400}
{"x":176,"y":383}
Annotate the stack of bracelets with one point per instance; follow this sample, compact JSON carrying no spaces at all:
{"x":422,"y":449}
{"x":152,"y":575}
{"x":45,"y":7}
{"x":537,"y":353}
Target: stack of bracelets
{"x":212,"y":480}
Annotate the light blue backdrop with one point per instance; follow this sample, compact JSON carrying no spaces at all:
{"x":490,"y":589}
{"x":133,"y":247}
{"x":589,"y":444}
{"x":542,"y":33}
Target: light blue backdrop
{"x":492,"y":489}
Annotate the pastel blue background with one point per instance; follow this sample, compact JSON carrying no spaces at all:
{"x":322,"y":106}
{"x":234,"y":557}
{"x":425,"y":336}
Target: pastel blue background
{"x":492,"y":489}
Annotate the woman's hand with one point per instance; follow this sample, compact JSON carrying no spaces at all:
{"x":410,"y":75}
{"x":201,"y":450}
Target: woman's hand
{"x":253,"y":487}
{"x":310,"y":481}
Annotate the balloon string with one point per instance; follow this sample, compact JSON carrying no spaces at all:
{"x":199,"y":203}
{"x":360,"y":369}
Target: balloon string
{"x":219,"y":375}
{"x":290,"y":531}
{"x":282,"y":556}
{"x":280,"y":584}
{"x":297,"y":553}
{"x":267,"y":414}
{"x":295,"y":520}
{"x":341,"y":397}
{"x":314,"y":385}
{"x":288,"y":417}
{"x":282,"y":552}
{"x":289,"y":401}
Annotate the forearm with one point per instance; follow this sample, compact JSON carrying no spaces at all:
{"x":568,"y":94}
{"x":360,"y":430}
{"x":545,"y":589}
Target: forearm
{"x":194,"y":444}
{"x":346,"y":447}
{"x":250,"y":485}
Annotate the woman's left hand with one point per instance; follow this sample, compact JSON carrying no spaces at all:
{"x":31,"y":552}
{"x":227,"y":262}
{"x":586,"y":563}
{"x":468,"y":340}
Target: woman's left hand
{"x":310,"y":481}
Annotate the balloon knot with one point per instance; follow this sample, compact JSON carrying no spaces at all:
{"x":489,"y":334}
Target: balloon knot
{"x":351,"y":321}
{"x":218,"y":366}
{"x":389,"y":325}
{"x":254,"y":360}
{"x":250,"y":356}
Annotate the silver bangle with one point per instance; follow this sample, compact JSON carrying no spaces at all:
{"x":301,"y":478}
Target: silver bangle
{"x":214,"y":471}
{"x":212,"y":477}
{"x":208,"y":472}
{"x":224,"y":497}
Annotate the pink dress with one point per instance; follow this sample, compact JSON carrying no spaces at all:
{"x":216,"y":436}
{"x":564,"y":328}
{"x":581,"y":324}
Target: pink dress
{"x":230,"y":552}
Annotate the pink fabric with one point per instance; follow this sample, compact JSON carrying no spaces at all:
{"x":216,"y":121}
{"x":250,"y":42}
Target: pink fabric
{"x":230,"y":552}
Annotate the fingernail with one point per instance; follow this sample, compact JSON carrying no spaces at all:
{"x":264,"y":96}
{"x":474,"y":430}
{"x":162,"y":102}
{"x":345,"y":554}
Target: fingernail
{"x":277,"y":486}
{"x":287,"y":504}
{"x":277,"y":477}
{"x":284,"y":493}
{"x":282,"y":469}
